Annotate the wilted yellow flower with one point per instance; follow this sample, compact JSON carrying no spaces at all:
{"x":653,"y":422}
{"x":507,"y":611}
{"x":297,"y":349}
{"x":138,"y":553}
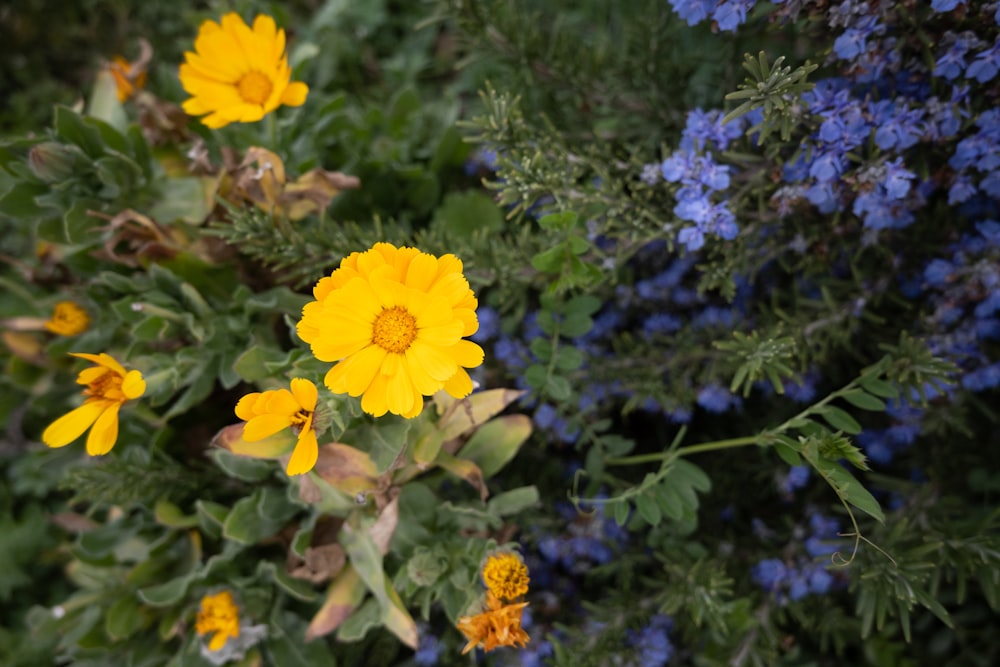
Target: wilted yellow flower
{"x":128,"y":77}
{"x":497,"y":625}
{"x":506,"y":575}
{"x":218,"y":614}
{"x":109,"y":386}
{"x":68,"y":319}
{"x":266,"y":413}
{"x":237,"y":74}
{"x":394,"y":319}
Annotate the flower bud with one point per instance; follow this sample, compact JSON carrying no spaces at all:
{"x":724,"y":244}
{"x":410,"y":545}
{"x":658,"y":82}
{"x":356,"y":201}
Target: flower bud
{"x":52,"y":162}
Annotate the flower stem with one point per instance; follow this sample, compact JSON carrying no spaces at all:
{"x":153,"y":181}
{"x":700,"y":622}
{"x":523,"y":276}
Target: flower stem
{"x":684,"y":451}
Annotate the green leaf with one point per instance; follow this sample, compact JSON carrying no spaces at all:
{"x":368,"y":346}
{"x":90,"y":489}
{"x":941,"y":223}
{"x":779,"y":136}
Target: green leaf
{"x":551,"y":260}
{"x":71,"y":127}
{"x":386,"y":439}
{"x":620,"y":511}
{"x":850,"y":489}
{"x":513,"y":501}
{"x":464,"y":213}
{"x":878,"y":387}
{"x":864,"y":400}
{"x":558,"y":388}
{"x":166,"y":594}
{"x":787,"y":454}
{"x":568,"y":358}
{"x":168,"y":514}
{"x":496,"y":442}
{"x":840,"y":420}
{"x":649,"y":509}
{"x":123,"y":618}
{"x":559,"y":221}
{"x":367,"y":560}
{"x":19,"y":201}
{"x":258,"y":516}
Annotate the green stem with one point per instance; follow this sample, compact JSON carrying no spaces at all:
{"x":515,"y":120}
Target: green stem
{"x":686,"y":451}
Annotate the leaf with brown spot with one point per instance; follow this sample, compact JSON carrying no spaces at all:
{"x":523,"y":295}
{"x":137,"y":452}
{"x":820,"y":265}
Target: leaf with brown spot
{"x":271,"y":447}
{"x":461,"y":416}
{"x":342,"y":598}
{"x":382,"y":530}
{"x":346,"y":468}
{"x":465,"y":469}
{"x":321,"y":563}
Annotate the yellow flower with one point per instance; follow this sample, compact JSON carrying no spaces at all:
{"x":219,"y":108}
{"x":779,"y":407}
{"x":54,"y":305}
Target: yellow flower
{"x":497,"y":625}
{"x":395,"y":319}
{"x":237,"y":74}
{"x":128,"y":77}
{"x":68,"y":319}
{"x":109,"y":385}
{"x":218,"y":613}
{"x":506,"y":575}
{"x":266,"y":413}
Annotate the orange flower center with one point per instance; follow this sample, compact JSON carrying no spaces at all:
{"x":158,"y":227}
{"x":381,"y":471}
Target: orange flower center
{"x":394,"y":329}
{"x":254,"y":87}
{"x":108,"y":386}
{"x":301,"y":418}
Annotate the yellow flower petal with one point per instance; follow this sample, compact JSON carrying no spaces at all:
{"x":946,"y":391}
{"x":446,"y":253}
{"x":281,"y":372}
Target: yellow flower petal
{"x":280,"y":402}
{"x":306,"y":452}
{"x":71,"y":425}
{"x":262,"y":426}
{"x":305,"y":393}
{"x":104,"y":432}
{"x":244,"y":407}
{"x":102,"y":359}
{"x":133,"y":386}
{"x":459,"y":385}
{"x":295,"y":94}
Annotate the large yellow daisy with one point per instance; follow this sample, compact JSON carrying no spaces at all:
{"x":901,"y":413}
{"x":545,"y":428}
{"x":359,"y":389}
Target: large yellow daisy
{"x":394,"y":319}
{"x":237,"y":74}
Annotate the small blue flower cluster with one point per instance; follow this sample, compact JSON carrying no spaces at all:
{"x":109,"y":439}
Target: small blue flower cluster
{"x":588,"y":540}
{"x":651,"y":644}
{"x":803,"y":572}
{"x":699,"y":175}
{"x":882,"y":445}
{"x":727,"y":14}
{"x":963,"y":292}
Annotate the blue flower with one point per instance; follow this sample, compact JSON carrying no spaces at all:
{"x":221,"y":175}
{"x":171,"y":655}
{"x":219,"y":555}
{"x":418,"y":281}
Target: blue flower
{"x":984,"y":67}
{"x":428,"y":651}
{"x":692,"y":11}
{"x":489,"y":324}
{"x":716,"y":398}
{"x":945,"y":5}
{"x":769,"y":574}
{"x":732,"y":13}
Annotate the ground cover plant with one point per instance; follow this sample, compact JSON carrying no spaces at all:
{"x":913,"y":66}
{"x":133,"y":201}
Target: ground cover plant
{"x":644,"y":332}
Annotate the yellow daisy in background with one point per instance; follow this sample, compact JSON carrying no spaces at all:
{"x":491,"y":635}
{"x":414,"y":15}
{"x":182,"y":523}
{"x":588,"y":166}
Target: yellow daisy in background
{"x":109,"y":386}
{"x":268,"y":412}
{"x":238,"y":74}
{"x":394,"y":319}
{"x":218,"y":615}
{"x":68,"y":319}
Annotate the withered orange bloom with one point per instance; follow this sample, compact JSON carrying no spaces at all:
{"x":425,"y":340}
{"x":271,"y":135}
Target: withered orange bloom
{"x":129,"y":77}
{"x":498,"y":625}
